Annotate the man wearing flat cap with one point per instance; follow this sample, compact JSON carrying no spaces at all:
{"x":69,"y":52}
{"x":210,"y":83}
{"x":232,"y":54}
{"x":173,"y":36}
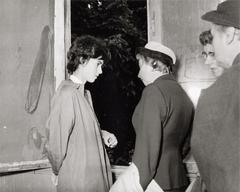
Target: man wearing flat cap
{"x":162,"y":121}
{"x":216,"y":129}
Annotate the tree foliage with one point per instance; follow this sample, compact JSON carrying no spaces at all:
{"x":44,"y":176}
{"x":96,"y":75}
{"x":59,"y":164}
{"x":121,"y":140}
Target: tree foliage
{"x":123,"y":26}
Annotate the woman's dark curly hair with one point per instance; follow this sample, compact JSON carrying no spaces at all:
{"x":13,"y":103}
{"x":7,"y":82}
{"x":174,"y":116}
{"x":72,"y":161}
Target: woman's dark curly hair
{"x":86,"y":47}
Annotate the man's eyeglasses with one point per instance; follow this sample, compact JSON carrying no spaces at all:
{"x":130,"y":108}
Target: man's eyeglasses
{"x":207,"y":54}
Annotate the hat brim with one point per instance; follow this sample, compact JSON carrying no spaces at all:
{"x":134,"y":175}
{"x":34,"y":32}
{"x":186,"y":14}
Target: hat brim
{"x":218,"y":18}
{"x":151,"y":53}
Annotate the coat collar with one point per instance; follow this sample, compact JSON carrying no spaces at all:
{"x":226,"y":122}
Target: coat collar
{"x":236,"y":61}
{"x":75,"y":79}
{"x":165,"y":77}
{"x":74,"y":85}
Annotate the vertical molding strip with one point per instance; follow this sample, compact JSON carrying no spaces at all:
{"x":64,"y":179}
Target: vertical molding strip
{"x":59,"y":42}
{"x":154,"y":17}
{"x":67,"y":17}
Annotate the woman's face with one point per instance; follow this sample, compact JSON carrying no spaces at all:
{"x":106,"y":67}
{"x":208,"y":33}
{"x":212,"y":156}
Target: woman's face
{"x":92,"y":69}
{"x":145,"y":71}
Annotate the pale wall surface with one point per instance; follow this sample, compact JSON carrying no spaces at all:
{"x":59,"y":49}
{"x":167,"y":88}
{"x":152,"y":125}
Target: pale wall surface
{"x":21,"y":24}
{"x":179,"y":24}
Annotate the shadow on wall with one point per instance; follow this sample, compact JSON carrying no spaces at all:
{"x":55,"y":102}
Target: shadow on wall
{"x":34,"y":149}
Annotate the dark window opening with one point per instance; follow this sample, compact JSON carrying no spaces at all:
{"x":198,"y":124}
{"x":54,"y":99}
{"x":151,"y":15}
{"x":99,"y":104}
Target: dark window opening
{"x":123,"y":26}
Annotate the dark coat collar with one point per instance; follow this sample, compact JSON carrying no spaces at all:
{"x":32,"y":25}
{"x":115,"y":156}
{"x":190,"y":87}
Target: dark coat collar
{"x":236,"y":61}
{"x":165,"y":77}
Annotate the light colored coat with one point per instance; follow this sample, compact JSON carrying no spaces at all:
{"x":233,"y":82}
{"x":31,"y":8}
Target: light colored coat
{"x":75,"y":149}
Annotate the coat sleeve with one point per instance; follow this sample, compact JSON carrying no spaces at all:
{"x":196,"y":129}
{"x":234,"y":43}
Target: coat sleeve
{"x":59,"y":125}
{"x":148,"y":144}
{"x":187,"y":140}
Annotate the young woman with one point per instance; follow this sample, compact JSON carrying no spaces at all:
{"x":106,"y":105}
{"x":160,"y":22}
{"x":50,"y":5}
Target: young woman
{"x":75,"y":148}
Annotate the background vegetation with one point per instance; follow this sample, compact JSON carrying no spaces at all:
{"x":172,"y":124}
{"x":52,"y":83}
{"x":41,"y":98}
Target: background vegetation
{"x":123,"y":26}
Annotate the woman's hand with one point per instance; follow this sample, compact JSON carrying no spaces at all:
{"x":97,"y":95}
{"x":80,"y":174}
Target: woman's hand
{"x":109,"y":139}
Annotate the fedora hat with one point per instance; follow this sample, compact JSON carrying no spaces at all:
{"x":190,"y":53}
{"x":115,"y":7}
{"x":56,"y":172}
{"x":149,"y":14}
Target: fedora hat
{"x":155,"y":50}
{"x":227,"y":14}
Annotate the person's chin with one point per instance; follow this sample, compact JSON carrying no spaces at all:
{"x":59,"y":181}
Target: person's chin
{"x":145,"y":83}
{"x":216,"y":72}
{"x":93,"y":79}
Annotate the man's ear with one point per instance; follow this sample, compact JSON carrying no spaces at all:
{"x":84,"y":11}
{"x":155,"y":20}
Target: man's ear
{"x":158,"y":66}
{"x":230,"y":34}
{"x":237,"y":34}
{"x":155,"y":65}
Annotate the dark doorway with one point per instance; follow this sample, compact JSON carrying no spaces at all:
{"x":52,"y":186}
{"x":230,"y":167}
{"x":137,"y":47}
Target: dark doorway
{"x":123,"y":26}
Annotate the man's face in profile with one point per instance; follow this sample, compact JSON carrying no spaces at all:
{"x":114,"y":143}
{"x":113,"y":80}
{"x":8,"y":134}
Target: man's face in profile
{"x":209,"y":56}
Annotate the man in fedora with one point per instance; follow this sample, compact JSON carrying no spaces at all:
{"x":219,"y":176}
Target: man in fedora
{"x":215,"y":138}
{"x":162,"y":121}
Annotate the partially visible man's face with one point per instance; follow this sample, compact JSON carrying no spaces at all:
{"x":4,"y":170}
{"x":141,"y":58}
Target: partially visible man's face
{"x":219,"y":45}
{"x":146,"y":71}
{"x":209,"y":56}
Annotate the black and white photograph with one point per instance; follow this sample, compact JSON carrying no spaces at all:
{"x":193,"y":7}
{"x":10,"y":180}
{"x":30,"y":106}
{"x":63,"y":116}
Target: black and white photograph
{"x":120,"y":96}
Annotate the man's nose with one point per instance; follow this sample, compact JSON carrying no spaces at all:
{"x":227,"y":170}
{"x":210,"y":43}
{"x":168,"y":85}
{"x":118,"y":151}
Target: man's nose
{"x":208,"y":61}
